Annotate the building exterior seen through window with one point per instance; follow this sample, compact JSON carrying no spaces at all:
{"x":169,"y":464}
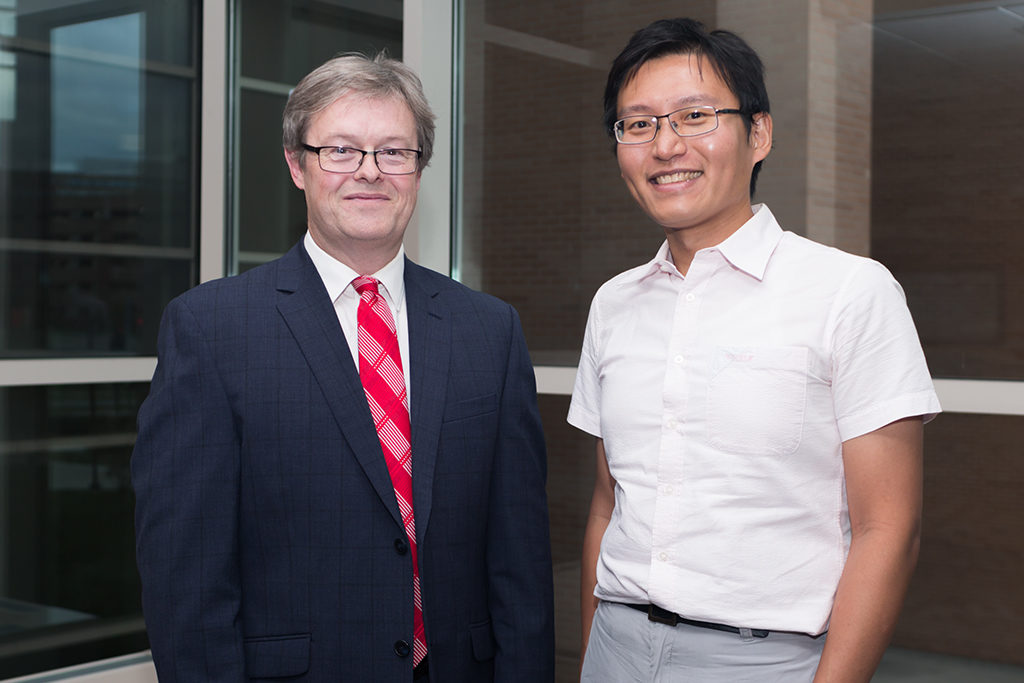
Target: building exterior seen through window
{"x":98,"y":189}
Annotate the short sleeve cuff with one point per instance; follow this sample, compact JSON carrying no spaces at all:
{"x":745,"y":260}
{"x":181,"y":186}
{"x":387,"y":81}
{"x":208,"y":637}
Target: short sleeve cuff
{"x":584,"y":420}
{"x":923,"y":403}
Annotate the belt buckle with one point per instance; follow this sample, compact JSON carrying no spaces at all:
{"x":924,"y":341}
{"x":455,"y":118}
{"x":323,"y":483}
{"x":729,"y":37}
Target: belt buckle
{"x":661,"y":616}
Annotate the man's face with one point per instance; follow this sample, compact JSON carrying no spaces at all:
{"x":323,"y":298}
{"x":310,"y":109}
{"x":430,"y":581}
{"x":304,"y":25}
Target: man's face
{"x":700,"y":182}
{"x":364,"y":211}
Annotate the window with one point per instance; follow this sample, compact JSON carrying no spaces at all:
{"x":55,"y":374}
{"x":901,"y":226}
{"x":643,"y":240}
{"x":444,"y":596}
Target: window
{"x":873,"y":154}
{"x":98,"y":189}
{"x":280,"y":42}
{"x":100,"y":208}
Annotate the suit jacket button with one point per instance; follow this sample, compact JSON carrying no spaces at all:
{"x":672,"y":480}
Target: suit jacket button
{"x":401,"y":547}
{"x":402,"y":648}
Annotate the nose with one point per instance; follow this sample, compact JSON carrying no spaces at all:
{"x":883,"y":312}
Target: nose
{"x":667,"y":143}
{"x":367,"y":170}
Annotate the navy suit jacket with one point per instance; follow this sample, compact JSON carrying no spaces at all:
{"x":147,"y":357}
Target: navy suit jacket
{"x":268,"y":537}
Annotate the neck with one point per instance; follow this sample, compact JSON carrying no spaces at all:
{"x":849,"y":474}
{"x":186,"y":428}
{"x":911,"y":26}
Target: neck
{"x":365,"y":259}
{"x":685,"y":242}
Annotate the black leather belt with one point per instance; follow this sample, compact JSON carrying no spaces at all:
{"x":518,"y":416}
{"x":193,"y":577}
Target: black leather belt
{"x":663,"y":616}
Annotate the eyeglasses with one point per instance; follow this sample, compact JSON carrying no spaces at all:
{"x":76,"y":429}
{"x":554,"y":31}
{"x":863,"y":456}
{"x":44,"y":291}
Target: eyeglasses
{"x":686,"y":122}
{"x":348,"y":159}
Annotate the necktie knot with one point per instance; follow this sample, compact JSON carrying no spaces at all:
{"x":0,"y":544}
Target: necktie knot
{"x":365,"y":283}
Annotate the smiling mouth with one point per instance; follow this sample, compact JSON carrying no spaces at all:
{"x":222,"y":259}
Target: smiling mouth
{"x":679,"y":177}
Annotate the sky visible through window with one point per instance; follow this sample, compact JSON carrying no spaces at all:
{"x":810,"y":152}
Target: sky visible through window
{"x":97,"y":96}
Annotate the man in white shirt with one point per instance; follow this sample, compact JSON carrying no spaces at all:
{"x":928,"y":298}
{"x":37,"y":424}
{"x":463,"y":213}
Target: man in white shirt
{"x":758,"y":400}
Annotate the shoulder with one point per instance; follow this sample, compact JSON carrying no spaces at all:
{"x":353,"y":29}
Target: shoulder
{"x":622,"y":287}
{"x":216,"y":296}
{"x":831,"y":268}
{"x":620,"y":295}
{"x":453,"y":294}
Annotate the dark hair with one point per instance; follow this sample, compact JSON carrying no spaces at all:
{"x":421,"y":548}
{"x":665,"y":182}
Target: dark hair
{"x":730,"y":56}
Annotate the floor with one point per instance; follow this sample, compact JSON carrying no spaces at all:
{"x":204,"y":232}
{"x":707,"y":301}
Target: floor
{"x":910,"y":666}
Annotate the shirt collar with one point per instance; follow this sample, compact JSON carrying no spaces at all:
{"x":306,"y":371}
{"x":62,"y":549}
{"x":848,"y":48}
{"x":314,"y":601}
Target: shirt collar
{"x":337,"y":277}
{"x":661,"y":263}
{"x":749,"y":248}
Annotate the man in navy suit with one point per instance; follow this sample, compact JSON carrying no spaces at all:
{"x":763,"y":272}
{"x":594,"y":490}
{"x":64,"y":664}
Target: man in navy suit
{"x":269,"y":539}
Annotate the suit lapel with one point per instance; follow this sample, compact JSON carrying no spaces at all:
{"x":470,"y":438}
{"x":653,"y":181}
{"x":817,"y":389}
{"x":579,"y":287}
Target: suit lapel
{"x":310,"y":316}
{"x":429,"y":350}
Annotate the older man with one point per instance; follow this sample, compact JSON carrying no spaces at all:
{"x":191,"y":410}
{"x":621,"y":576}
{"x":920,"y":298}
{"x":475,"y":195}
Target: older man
{"x":340,"y":468}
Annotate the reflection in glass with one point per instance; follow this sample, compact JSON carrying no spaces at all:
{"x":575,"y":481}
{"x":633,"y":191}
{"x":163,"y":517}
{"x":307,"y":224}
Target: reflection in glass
{"x":946,"y":219}
{"x":97,"y":175}
{"x":863,"y":96}
{"x":68,"y":585}
{"x":280,"y":42}
{"x":91,"y":133}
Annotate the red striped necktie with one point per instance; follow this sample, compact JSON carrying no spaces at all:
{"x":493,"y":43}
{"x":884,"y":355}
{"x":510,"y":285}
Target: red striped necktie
{"x":380,"y":369}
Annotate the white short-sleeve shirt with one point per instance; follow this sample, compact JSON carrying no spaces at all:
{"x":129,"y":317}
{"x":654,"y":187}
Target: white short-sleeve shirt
{"x":723,"y":398}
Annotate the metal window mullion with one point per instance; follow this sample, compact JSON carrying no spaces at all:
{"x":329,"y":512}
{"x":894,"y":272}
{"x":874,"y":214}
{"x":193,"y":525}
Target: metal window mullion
{"x":213,"y":146}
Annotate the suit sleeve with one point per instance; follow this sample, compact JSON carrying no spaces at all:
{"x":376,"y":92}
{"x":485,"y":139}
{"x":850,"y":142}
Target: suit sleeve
{"x":519,"y":546}
{"x":185,"y":475}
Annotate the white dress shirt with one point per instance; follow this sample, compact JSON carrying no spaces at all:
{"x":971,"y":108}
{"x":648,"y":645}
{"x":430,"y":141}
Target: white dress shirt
{"x":337,"y":278}
{"x":723,"y":398}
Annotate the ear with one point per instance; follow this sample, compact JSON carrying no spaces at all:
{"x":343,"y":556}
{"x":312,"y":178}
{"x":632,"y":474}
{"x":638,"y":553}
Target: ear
{"x":295,"y":168}
{"x":761,"y":135}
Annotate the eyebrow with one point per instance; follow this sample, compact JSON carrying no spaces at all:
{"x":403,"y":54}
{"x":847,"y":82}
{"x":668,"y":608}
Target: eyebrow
{"x":689,"y":100}
{"x":390,"y":141}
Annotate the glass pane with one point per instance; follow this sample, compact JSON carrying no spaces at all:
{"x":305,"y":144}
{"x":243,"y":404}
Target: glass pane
{"x":280,"y":42}
{"x":855,"y":162}
{"x":272,"y":214}
{"x":88,"y":132}
{"x":97,"y":174}
{"x":863,"y":95}
{"x":93,"y":304}
{"x":69,"y":591}
{"x":544,"y":216}
{"x":965,"y":598}
{"x":570,"y":484}
{"x":946,"y":218}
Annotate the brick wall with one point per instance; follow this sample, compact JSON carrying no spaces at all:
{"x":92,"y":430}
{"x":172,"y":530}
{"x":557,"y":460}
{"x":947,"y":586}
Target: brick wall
{"x":866,"y":157}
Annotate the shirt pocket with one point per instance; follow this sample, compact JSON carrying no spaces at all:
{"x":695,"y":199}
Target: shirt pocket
{"x":756,"y":398}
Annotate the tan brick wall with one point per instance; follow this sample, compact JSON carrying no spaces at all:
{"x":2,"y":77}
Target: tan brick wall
{"x":817,"y":57}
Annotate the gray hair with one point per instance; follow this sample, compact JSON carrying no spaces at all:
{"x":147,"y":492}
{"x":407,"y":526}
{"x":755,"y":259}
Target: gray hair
{"x":379,"y":76}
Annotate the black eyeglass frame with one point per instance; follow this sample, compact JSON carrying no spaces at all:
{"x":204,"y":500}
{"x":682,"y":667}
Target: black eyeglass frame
{"x":617,"y":127}
{"x":364,"y":152}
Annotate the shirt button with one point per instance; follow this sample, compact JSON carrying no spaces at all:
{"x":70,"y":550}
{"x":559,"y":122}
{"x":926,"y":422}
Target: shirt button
{"x":663,"y":556}
{"x":668,"y":490}
{"x":691,"y":297}
{"x":672,"y":424}
{"x":678,"y":359}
